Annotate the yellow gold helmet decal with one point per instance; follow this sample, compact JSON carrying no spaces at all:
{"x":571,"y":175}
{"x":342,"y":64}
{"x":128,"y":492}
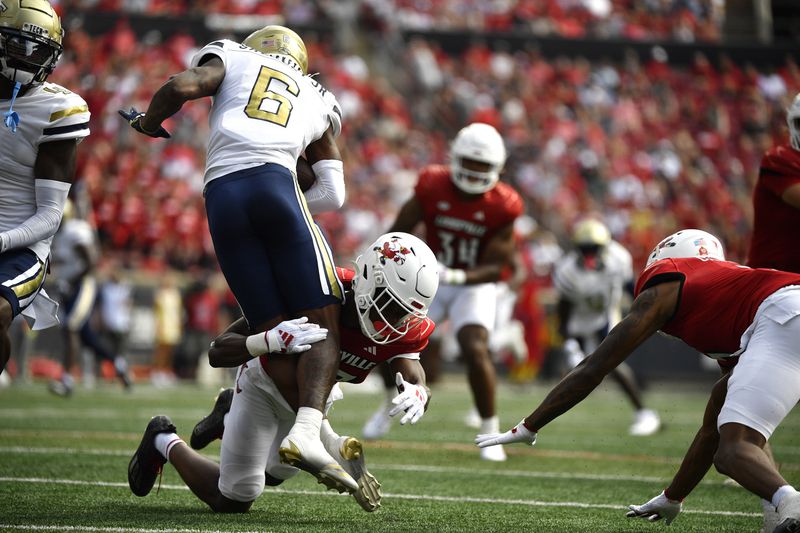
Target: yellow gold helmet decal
{"x":279,"y":40}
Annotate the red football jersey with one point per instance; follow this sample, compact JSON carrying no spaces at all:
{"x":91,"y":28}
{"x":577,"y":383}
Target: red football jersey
{"x":718,"y":299}
{"x":458,"y":229}
{"x":360,"y":355}
{"x":774,"y":243}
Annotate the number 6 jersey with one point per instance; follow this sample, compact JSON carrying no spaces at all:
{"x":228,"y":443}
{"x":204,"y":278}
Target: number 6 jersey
{"x":265,"y":110}
{"x":458,"y":228}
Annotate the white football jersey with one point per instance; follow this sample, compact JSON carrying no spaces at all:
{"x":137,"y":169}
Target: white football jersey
{"x":596,"y":295}
{"x":67,"y":263}
{"x":265,"y":110}
{"x":47,"y":112}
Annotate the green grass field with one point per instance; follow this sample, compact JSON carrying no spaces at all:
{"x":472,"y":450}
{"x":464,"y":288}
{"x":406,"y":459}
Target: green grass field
{"x":63,"y":468}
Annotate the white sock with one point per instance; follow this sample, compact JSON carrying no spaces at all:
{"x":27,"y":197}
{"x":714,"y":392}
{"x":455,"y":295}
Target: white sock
{"x":490,"y":425}
{"x":68,"y":380}
{"x":308,"y":420}
{"x":767,"y":506}
{"x":225,"y":419}
{"x":329,"y":437}
{"x":164,"y":443}
{"x":782,"y":492}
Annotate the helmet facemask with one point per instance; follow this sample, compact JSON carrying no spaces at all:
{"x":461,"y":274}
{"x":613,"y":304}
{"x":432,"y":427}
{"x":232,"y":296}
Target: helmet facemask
{"x":396,"y":279}
{"x":477,"y":157}
{"x":27,"y":58}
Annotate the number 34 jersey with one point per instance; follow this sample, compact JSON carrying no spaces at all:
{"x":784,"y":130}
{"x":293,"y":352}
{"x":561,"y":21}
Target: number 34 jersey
{"x":265,"y":110}
{"x":457,"y":228}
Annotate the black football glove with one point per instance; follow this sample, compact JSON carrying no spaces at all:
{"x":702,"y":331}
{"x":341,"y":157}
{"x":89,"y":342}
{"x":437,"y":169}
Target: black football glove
{"x":134,"y":118}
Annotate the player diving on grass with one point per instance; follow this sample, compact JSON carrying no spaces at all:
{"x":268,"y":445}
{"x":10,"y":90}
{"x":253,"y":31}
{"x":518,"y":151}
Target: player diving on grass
{"x":267,"y":111}
{"x":721,"y":309}
{"x":383,"y":319}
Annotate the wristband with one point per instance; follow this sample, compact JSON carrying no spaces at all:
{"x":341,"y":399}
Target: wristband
{"x":454,"y":276}
{"x":257,"y":344}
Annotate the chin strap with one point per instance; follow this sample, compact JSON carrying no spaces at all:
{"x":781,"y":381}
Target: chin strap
{"x":10,"y":117}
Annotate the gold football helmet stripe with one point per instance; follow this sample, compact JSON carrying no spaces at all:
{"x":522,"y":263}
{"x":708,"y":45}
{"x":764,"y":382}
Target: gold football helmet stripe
{"x":69,"y":112}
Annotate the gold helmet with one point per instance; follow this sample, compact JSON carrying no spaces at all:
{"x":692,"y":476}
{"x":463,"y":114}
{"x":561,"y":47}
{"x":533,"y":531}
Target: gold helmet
{"x":279,"y":40}
{"x":589,"y":233}
{"x":30,"y":40}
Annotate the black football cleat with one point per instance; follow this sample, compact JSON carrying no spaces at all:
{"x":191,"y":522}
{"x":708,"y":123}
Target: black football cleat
{"x":789,"y":525}
{"x":212,"y":426}
{"x":147,"y":462}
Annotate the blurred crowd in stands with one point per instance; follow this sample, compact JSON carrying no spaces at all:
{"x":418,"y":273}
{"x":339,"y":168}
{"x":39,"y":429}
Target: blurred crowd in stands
{"x":647,"y":145}
{"x":675,"y":20}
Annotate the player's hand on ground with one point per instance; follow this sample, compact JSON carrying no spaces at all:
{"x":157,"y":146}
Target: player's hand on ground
{"x":294,"y":336}
{"x":656,"y":509}
{"x":135,"y":117}
{"x":411,"y":400}
{"x":518,"y":433}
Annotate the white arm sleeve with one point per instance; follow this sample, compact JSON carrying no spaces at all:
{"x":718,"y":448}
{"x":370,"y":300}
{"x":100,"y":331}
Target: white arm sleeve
{"x":51,"y":195}
{"x":327,"y":193}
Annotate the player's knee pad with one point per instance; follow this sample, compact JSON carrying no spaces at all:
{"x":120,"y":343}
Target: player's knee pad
{"x":245,"y":489}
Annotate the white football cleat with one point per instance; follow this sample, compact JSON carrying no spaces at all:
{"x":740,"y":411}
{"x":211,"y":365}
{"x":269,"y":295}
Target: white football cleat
{"x":493,"y":453}
{"x":378,"y":424}
{"x":308,"y":453}
{"x":789,"y":514}
{"x":472,"y":419}
{"x":645,"y":422}
{"x":351,"y":454}
{"x":770,"y":517}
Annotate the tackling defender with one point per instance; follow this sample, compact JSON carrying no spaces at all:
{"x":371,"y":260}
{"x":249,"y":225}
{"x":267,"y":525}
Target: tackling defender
{"x":266,"y":111}
{"x":686,"y":285}
{"x":469,"y":221}
{"x":43,"y":124}
{"x":382,"y":320}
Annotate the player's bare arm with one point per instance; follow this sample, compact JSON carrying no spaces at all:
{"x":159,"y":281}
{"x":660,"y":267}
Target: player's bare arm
{"x":409,"y":216}
{"x":56,"y":161}
{"x":191,"y":84}
{"x":327,"y":191}
{"x":700,"y":455}
{"x":650,"y":311}
{"x":228,"y":349}
{"x":498,"y":255}
{"x":791,"y":196}
{"x":323,"y":148}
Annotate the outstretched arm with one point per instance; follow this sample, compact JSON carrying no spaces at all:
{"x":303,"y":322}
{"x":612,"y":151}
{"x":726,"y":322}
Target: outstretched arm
{"x":498,"y":255}
{"x":191,"y":84}
{"x":650,"y":311}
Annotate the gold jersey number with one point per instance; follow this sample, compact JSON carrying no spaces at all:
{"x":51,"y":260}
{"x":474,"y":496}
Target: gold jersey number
{"x":281,"y":105}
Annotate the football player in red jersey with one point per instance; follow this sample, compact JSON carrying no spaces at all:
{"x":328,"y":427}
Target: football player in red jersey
{"x":776,"y":203}
{"x":469,"y":220}
{"x":685,"y":286}
{"x":383,"y":319}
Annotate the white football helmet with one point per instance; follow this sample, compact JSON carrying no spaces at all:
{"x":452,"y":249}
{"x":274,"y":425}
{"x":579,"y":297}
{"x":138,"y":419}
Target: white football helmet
{"x":687,"y":243}
{"x":793,"y":118}
{"x":395,"y":282}
{"x":477,"y":142}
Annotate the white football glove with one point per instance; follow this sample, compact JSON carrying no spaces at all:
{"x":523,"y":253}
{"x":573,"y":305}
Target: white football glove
{"x":451,"y":276}
{"x":412,"y":400}
{"x":518,"y":433}
{"x":656,"y":509}
{"x":294,"y":336}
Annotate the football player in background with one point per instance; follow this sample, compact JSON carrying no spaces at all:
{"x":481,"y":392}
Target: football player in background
{"x":74,"y":257}
{"x":776,"y":203}
{"x":265,"y":113}
{"x":468,"y":216}
{"x":686,"y":285}
{"x":42,"y":125}
{"x":591,"y":281}
{"x":383,"y":319}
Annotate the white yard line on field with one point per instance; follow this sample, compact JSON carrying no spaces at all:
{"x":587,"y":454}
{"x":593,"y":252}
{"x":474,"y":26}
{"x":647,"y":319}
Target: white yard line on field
{"x":416,"y":497}
{"x":110,"y":529}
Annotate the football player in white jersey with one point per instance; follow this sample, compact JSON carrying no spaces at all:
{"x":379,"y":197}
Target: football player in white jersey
{"x":266,"y":112}
{"x":73,"y":259}
{"x":42,"y":125}
{"x":591,"y":281}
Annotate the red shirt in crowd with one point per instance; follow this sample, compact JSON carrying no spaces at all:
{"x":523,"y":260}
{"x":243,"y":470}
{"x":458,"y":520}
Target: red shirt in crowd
{"x":718,"y":299}
{"x":775,"y":242}
{"x":458,"y":228}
